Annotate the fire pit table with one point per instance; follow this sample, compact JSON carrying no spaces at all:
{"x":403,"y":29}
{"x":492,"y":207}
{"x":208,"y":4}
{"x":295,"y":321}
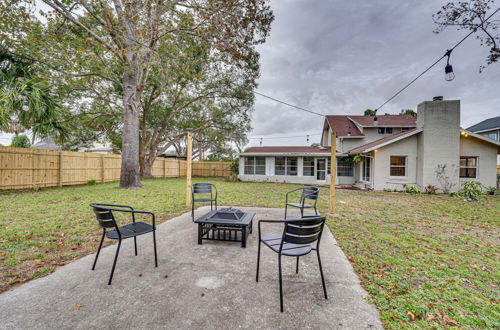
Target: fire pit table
{"x":227,"y":224}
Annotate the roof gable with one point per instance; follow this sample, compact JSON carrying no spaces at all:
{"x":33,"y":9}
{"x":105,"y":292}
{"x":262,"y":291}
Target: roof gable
{"x":348,"y":125}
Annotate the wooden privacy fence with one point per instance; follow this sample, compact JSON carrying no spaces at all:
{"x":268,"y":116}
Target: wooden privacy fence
{"x":22,"y":168}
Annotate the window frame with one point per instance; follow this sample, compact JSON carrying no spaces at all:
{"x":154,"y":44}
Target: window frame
{"x":286,"y":166}
{"x":466,"y":167}
{"x":253,"y":165}
{"x":308,"y":166}
{"x":405,"y":166}
{"x":345,"y":166}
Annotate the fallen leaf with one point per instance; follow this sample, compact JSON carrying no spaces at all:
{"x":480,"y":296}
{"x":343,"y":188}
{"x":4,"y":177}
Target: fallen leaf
{"x":431,"y":317}
{"x":78,"y":306}
{"x":412,"y":316}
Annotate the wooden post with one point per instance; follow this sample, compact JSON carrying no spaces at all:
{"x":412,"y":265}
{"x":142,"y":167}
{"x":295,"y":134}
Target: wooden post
{"x":60,"y":179}
{"x":102,"y":168}
{"x":333,"y":173}
{"x":188,"y":166}
{"x":33,"y":182}
{"x":164,"y":167}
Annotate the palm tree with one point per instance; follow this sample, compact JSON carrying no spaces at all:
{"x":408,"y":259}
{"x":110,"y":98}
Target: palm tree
{"x":26,"y":102}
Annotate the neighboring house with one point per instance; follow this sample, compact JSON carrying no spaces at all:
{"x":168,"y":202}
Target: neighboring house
{"x":397,"y":150}
{"x":489,"y":128}
{"x":49,"y":144}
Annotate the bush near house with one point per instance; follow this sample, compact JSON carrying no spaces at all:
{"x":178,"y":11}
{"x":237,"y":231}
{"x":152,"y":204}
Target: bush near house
{"x":428,"y":261}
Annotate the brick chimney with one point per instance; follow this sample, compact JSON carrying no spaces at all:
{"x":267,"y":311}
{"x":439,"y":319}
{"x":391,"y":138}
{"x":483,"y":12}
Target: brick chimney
{"x":439,"y":143}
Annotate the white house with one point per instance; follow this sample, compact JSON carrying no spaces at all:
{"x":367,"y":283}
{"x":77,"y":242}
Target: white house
{"x":396,"y":150}
{"x":489,"y":128}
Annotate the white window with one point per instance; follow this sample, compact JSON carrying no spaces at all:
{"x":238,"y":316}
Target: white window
{"x":344,"y":167}
{"x":255,"y":165}
{"x":285,"y":166}
{"x":308,"y":166}
{"x":398,"y":166}
{"x":492,"y":135}
{"x":468,"y":167}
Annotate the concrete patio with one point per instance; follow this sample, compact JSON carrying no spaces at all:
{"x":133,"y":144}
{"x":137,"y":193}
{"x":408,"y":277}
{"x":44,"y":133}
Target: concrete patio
{"x":195,"y":287}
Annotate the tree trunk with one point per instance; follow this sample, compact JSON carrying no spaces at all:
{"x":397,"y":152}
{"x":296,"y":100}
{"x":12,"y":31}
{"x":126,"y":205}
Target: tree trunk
{"x":130,"y":176}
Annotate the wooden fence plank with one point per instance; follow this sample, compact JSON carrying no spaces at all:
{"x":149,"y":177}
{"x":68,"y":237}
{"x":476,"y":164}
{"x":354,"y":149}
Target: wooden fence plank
{"x":23,"y":168}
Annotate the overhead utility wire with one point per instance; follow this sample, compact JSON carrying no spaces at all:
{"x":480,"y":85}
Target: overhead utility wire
{"x":290,"y":105}
{"x":282,"y":137}
{"x":433,"y":64}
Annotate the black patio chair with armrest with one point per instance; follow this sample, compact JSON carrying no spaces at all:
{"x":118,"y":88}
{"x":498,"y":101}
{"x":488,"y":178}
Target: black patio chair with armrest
{"x":203,"y":188}
{"x":105,"y":217}
{"x":308,"y":193}
{"x":296,"y":240}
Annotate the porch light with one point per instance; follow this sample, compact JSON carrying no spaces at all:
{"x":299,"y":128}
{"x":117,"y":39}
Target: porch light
{"x":448,"y":70}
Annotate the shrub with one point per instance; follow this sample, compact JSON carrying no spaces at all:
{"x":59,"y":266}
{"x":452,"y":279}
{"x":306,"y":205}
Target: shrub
{"x":471,"y":190}
{"x":412,"y":189}
{"x":491,"y":190}
{"x":431,"y":189}
{"x":20,"y":141}
{"x":91,"y":182}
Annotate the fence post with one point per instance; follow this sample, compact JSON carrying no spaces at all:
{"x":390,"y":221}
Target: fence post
{"x":33,"y":183}
{"x":60,"y":183}
{"x":164,"y":167}
{"x":102,"y":168}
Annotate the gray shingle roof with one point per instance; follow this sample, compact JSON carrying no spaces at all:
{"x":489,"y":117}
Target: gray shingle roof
{"x":487,"y":124}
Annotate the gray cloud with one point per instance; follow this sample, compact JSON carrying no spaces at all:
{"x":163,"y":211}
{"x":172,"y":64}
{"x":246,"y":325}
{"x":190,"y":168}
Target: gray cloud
{"x":341,"y":57}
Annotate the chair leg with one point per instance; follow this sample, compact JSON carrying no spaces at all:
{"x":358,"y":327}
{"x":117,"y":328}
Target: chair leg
{"x":315,"y":210}
{"x":192,"y":209}
{"x":297,"y":267}
{"x":286,"y":208}
{"x":135,"y":245}
{"x":114,"y":262}
{"x":322,"y":277}
{"x":154,"y":246}
{"x":301,"y":212}
{"x":211,"y":205}
{"x":258,"y":262}
{"x":281,"y":283}
{"x":216,"y":205}
{"x":99,"y":249}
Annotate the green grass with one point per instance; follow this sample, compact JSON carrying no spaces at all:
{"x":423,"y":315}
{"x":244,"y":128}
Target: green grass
{"x":426,"y":261}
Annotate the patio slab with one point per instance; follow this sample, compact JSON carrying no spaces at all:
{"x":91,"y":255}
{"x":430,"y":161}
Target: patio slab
{"x":195,"y":286}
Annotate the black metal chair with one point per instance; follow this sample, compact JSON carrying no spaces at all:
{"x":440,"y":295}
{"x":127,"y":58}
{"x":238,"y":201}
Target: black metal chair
{"x":308,"y":193}
{"x":295,"y":241}
{"x":106,"y":219}
{"x":203,"y":188}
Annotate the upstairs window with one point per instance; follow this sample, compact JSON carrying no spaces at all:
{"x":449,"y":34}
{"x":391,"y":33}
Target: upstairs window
{"x":398,"y":166}
{"x":468,"y":167}
{"x":385,"y":130}
{"x":255,"y":165}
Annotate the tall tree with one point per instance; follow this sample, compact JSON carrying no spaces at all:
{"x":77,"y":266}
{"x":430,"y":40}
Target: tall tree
{"x":129,"y":33}
{"x":472,"y":15}
{"x":408,"y":112}
{"x":369,"y":112}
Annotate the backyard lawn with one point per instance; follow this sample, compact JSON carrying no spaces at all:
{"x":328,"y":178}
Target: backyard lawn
{"x":425,"y":260}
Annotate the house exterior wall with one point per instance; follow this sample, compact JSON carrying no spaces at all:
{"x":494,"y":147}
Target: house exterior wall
{"x":487,"y":159}
{"x":381,"y":164}
{"x":371,"y":134}
{"x":439,"y":143}
{"x":299,"y":178}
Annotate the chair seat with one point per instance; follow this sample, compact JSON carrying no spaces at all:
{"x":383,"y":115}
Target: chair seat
{"x":305,"y":206}
{"x":130,"y":230}
{"x":204,"y":200}
{"x":289,"y":249}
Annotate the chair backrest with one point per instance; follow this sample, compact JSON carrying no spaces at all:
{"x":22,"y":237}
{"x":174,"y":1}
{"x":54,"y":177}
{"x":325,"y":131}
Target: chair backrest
{"x":310,"y":193}
{"x":304,"y":231}
{"x":202,"y":188}
{"x":104,"y":216}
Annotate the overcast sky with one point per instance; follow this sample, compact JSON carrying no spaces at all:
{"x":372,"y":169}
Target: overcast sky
{"x":342,"y":57}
